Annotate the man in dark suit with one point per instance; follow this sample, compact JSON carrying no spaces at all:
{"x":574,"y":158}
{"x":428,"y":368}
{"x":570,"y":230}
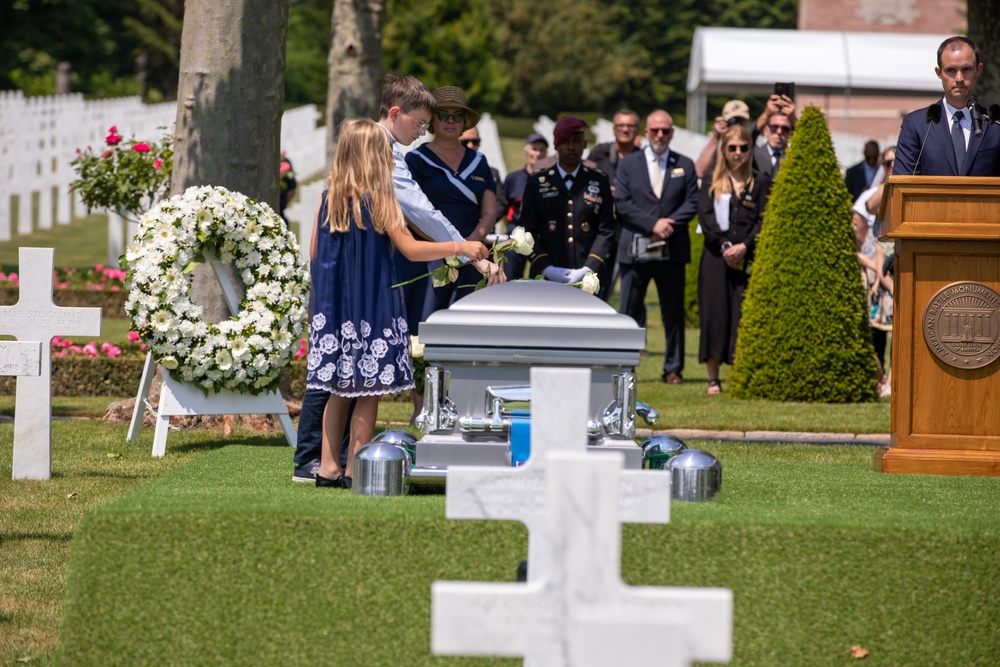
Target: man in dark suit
{"x":951,"y":147}
{"x":606,"y":156}
{"x":859,"y":177}
{"x":570,"y":211}
{"x":657,"y":196}
{"x":767,"y":158}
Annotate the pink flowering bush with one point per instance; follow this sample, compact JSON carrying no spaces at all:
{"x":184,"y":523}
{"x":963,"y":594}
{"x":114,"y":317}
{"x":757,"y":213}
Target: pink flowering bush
{"x":99,"y":278}
{"x":62,"y":347}
{"x":98,"y":368}
{"x":124,"y":176}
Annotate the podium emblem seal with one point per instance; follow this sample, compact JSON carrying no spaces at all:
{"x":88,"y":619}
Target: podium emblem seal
{"x":962,"y":325}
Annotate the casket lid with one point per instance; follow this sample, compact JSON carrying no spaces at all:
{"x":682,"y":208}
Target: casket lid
{"x":532,"y":313}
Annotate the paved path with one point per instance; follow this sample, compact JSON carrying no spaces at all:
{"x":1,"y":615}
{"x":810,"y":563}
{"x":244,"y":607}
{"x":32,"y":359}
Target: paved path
{"x":791,"y":437}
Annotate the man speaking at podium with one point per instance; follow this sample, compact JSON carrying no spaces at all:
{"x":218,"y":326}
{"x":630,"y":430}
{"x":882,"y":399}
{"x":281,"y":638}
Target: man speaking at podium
{"x":955,"y":136}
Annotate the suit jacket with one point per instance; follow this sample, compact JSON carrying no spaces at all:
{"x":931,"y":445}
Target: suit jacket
{"x":605,"y":157}
{"x":856,"y":181}
{"x":746,"y":212}
{"x":639,"y":209}
{"x":762,"y":160}
{"x":982,"y":157}
{"x":573,"y":227}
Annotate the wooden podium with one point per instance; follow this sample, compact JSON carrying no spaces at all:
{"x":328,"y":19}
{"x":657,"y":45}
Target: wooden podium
{"x":946,"y":333}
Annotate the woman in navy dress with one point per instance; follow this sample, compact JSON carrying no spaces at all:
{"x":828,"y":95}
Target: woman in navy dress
{"x":458,"y":181}
{"x":358,"y":336}
{"x":730,"y":210}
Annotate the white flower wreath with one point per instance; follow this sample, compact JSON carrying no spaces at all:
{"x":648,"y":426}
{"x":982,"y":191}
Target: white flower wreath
{"x":248,"y":352}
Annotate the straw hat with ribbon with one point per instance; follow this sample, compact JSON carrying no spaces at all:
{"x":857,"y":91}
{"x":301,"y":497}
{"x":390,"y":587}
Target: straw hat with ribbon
{"x":454,"y":97}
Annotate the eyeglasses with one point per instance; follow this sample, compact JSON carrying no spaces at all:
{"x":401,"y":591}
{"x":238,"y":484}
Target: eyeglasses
{"x":626,"y":126}
{"x":777,"y":129}
{"x":457,"y":116}
{"x":471,"y":143}
{"x":742,"y":148}
{"x":421,"y":126}
{"x":888,"y":163}
{"x":659,"y":130}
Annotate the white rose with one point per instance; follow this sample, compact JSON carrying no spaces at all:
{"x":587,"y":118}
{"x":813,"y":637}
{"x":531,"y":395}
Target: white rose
{"x":590,"y":283}
{"x":525,"y":241}
{"x":416,"y":347}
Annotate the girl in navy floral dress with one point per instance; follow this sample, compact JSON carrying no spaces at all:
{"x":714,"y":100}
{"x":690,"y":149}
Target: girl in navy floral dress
{"x":358,"y":337}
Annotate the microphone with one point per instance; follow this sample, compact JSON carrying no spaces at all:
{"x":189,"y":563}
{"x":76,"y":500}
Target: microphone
{"x":994,"y":113}
{"x":932,"y":116}
{"x":977,"y":117}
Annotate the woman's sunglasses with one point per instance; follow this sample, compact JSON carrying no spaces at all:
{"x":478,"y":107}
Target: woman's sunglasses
{"x":743,"y":148}
{"x":457,"y":116}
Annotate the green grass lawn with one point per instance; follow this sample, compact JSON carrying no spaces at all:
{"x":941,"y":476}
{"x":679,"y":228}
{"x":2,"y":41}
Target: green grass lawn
{"x":224,"y":561}
{"x":684,"y":406}
{"x":81,"y":244}
{"x":808,"y":502}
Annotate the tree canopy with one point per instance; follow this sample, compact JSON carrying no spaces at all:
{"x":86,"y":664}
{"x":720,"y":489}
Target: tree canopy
{"x":516,"y":57}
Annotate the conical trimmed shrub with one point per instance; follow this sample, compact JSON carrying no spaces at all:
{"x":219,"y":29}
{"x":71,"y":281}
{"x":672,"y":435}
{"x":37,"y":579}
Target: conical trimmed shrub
{"x":804,"y":334}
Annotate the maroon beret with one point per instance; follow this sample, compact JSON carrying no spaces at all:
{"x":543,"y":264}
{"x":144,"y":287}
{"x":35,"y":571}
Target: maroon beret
{"x":565,"y":128}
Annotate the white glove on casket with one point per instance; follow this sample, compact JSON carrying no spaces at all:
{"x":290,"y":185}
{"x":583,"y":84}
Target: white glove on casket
{"x":576,"y":275}
{"x":556,"y":274}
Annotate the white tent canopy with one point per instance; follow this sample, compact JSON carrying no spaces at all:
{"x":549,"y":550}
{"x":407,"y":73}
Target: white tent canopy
{"x":733,"y":61}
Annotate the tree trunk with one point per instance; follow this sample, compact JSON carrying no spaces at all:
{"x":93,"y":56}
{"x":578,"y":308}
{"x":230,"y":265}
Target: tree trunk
{"x":231,"y":94}
{"x":355,"y":64}
{"x":984,"y":30}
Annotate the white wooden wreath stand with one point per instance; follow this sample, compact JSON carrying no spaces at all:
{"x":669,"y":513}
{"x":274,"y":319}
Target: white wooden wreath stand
{"x":182,"y":398}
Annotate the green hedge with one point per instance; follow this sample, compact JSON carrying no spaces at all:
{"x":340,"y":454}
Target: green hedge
{"x":119,"y":376}
{"x":691,"y":278}
{"x":804,"y":334}
{"x":112,"y":304}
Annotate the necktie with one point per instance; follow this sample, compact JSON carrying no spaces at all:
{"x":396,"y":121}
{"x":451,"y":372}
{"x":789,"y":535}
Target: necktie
{"x":777,"y":161}
{"x":958,"y":139}
{"x":569,"y":182}
{"x":657,"y":178}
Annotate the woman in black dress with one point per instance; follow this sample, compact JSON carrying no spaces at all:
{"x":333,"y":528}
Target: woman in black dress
{"x":730,"y":209}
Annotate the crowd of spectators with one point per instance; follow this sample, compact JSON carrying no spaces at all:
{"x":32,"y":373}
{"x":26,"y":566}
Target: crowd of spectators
{"x":624,"y":210}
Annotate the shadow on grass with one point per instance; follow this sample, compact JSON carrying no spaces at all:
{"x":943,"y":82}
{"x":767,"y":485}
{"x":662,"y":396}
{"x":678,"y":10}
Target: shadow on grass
{"x":20,"y":537}
{"x":112,"y":475}
{"x":222,"y":441}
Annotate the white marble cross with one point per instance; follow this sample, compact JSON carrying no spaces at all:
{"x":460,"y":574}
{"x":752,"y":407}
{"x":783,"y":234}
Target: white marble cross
{"x":36,"y":318}
{"x":559,"y":412}
{"x":20,"y":358}
{"x":575,"y":611}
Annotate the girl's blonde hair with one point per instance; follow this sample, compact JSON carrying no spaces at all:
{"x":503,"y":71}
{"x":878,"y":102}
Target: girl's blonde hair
{"x":361,"y":176}
{"x":721,"y":183}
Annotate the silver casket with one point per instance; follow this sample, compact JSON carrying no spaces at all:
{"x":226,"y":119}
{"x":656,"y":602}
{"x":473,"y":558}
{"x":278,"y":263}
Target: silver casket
{"x":479,"y":354}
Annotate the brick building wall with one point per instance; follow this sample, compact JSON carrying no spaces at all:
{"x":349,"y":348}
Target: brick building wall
{"x":875,"y":116}
{"x":903,"y":16}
